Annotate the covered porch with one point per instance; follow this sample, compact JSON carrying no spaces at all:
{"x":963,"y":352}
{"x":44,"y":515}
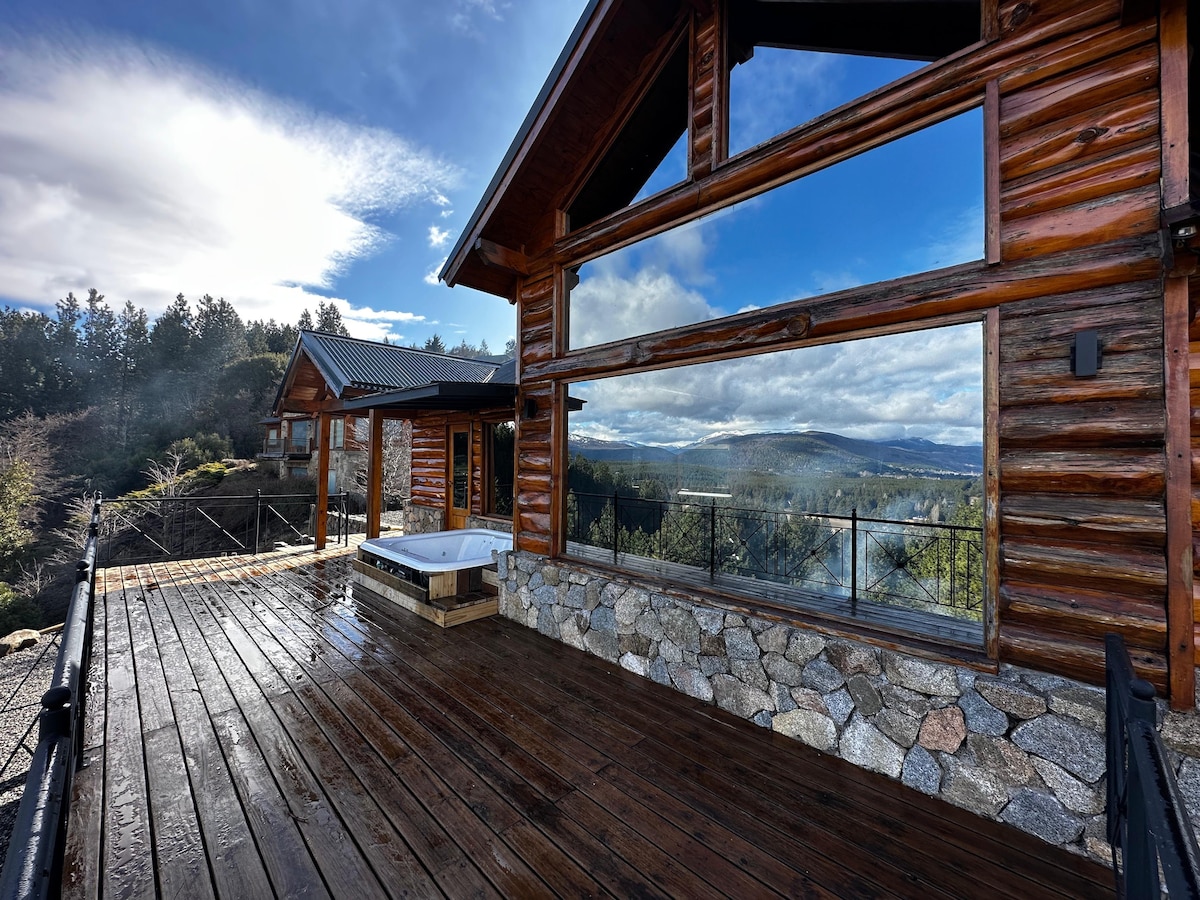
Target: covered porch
{"x":258,"y":727}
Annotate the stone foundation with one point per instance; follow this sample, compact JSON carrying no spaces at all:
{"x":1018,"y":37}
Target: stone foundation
{"x":1021,"y":746}
{"x":419,"y":519}
{"x":491,"y":523}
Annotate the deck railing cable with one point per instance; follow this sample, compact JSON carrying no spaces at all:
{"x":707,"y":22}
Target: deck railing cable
{"x":188,"y":527}
{"x":918,"y":565}
{"x":1148,"y":826}
{"x":33,"y":865}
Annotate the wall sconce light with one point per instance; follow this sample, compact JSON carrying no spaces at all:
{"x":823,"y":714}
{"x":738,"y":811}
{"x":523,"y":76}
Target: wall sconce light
{"x":1085,"y":354}
{"x":530,"y":408}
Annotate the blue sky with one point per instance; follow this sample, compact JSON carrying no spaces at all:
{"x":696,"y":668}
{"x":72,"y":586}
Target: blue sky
{"x":283,"y":154}
{"x":274,"y":154}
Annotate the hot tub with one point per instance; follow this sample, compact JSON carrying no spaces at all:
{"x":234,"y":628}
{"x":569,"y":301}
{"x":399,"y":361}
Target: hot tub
{"x":444,"y":576}
{"x":441,"y":551}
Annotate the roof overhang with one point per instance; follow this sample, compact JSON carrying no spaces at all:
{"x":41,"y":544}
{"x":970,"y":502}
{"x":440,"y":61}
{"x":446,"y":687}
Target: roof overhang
{"x":598,"y":70}
{"x":448,"y":396}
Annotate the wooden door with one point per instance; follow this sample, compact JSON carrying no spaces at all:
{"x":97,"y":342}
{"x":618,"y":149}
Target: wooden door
{"x":458,"y":477}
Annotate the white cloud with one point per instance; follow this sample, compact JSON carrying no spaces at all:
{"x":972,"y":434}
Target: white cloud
{"x":144,"y":177}
{"x":466,"y":12}
{"x":922,"y":384}
{"x":431,"y":277}
{"x":609,"y":306}
{"x":438,"y":236}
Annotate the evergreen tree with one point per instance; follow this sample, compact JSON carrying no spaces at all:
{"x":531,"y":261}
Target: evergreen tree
{"x":219,"y":337}
{"x":435,"y":345}
{"x":329,"y":319}
{"x":306,"y":321}
{"x":171,"y":336}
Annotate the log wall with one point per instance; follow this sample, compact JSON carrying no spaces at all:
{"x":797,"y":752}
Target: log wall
{"x":1074,"y":208}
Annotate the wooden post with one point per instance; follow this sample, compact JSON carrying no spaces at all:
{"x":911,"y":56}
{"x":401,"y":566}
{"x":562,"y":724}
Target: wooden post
{"x":374,"y":472}
{"x":1175,"y":188}
{"x":321,"y":524}
{"x":1180,"y":615}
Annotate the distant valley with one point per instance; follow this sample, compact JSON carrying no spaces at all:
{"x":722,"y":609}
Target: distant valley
{"x":805,"y":453}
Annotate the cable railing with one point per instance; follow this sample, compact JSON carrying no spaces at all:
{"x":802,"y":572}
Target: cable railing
{"x":1148,"y":825}
{"x":923,"y":566}
{"x":189,"y":527}
{"x":33,"y":864}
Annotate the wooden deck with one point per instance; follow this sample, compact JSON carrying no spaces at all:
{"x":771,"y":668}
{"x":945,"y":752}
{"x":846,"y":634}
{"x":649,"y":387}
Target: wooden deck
{"x":258,"y":728}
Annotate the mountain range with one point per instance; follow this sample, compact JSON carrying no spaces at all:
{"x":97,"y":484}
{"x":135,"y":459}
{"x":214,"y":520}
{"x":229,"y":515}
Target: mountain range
{"x":797,"y":453}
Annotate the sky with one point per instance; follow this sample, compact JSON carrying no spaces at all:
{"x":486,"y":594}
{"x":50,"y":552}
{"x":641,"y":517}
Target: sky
{"x":287,"y":154}
{"x":278,"y":155}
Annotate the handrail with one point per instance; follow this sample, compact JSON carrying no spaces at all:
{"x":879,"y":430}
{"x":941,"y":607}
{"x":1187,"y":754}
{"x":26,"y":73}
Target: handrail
{"x":33,"y":866}
{"x":1148,"y":826}
{"x":858,"y":558}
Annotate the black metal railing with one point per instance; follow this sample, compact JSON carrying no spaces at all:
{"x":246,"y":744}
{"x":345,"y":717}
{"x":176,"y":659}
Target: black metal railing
{"x":915,"y":565}
{"x":33,"y":865}
{"x":1148,"y":825}
{"x":190,"y":527}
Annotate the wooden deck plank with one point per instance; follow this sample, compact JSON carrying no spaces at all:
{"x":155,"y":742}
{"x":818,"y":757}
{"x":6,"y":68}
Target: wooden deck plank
{"x":236,"y":867}
{"x":337,"y":855}
{"x":126,"y":845}
{"x":285,"y":854}
{"x":301,"y":737}
{"x":574,"y":760}
{"x":784,"y":846}
{"x":508,"y":874}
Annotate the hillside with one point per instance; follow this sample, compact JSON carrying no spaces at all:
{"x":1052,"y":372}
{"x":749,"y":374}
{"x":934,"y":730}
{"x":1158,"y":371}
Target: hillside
{"x":803,"y":453}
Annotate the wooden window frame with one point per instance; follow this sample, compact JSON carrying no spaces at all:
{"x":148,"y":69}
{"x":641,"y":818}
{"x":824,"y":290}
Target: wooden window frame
{"x":985,"y":653}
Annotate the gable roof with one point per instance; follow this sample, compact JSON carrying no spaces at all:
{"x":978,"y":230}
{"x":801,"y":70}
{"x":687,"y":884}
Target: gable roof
{"x":330,"y":365}
{"x":607,"y":67}
{"x":610,"y":51}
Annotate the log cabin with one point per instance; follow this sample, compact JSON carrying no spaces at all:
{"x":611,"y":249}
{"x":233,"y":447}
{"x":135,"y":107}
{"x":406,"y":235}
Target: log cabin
{"x":1081,"y":291}
{"x":338,"y":391}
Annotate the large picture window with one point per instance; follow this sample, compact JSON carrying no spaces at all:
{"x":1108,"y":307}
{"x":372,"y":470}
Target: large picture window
{"x":845,"y":479}
{"x":910,"y":206}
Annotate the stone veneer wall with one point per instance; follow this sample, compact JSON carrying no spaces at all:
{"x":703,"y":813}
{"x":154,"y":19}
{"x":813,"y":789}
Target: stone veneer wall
{"x":1023,"y":747}
{"x":491,"y":523}
{"x":418,"y":519}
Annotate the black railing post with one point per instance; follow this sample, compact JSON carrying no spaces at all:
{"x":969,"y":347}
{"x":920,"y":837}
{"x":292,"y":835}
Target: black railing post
{"x":854,"y":561}
{"x":712,"y":541}
{"x":616,"y":528}
{"x":257,"y":518}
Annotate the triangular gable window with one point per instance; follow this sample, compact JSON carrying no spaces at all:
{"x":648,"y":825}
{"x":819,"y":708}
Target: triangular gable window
{"x":794,"y":60}
{"x":650,"y":148}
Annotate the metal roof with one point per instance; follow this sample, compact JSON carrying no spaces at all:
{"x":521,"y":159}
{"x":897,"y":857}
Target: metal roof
{"x":351,"y":363}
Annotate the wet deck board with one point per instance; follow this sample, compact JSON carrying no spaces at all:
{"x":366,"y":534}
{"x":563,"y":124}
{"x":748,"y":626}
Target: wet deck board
{"x":264,"y":729}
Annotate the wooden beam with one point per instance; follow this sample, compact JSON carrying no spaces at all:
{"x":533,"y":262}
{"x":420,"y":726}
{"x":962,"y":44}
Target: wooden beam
{"x":499,"y":257}
{"x":374,"y":472}
{"x":769,"y":328}
{"x":991,"y":481}
{"x":958,"y":290}
{"x":1180,"y":615}
{"x":1173,"y":76}
{"x":991,"y":171}
{"x":321,"y":524}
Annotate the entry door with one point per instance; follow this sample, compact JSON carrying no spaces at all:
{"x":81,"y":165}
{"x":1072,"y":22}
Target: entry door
{"x":459,"y":477}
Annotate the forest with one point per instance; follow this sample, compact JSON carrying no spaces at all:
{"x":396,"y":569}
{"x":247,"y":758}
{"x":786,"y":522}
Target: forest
{"x":96,"y":401}
{"x":921,"y":539}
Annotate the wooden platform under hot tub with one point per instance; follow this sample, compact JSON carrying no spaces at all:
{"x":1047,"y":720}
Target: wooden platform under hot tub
{"x":450,"y":600}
